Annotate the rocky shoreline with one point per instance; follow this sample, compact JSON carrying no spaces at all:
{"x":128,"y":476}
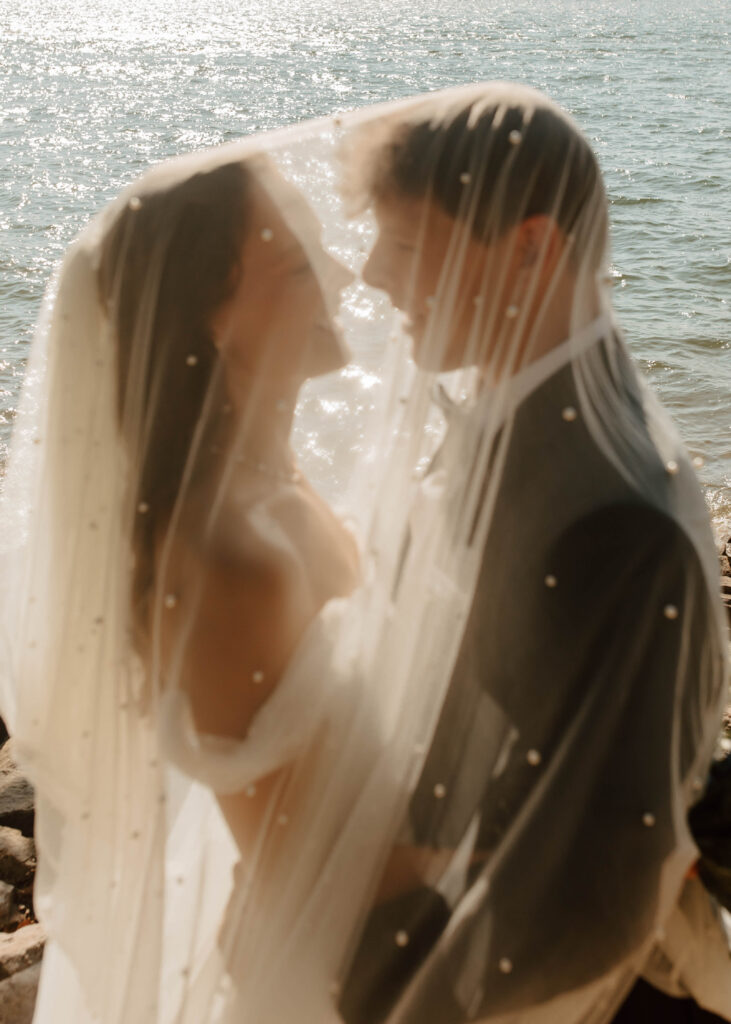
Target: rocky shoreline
{"x":725,"y":555}
{"x":21,"y":937}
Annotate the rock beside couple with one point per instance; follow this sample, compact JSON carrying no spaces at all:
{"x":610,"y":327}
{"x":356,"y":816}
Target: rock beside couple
{"x":726,"y":574}
{"x":21,"y":937}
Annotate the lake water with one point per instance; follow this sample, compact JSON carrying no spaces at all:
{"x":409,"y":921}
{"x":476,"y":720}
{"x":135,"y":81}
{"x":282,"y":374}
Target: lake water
{"x":94,"y":91}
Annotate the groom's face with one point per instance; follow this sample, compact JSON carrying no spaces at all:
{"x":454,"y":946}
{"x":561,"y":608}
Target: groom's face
{"x":444,"y":280}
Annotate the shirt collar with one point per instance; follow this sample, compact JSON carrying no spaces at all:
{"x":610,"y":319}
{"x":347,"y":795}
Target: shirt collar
{"x":529,"y":379}
{"x":511,"y":393}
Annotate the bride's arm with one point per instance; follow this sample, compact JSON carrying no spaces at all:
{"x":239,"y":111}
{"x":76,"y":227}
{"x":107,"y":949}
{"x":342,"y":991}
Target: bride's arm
{"x":230,"y":616}
{"x":227,"y":627}
{"x":231,"y":610}
{"x":226,"y":633}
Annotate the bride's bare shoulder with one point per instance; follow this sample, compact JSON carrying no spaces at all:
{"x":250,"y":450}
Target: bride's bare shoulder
{"x":237,"y":614}
{"x":280,"y":538}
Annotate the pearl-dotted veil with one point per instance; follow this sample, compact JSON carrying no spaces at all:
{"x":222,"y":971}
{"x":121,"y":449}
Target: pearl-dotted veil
{"x":525,"y":651}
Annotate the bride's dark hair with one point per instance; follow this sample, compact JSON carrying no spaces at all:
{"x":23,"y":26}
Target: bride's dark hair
{"x":169,"y":260}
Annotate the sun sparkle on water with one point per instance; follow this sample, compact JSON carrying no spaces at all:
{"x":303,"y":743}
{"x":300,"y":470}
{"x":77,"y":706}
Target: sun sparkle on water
{"x":94,"y":91}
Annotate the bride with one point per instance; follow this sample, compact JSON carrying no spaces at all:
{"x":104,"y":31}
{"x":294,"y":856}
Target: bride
{"x":229,"y":712}
{"x":183,"y":326}
{"x":239,"y":558}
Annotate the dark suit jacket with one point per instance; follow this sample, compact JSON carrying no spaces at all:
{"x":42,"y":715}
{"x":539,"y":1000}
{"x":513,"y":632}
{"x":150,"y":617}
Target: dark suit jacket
{"x":565,"y":700}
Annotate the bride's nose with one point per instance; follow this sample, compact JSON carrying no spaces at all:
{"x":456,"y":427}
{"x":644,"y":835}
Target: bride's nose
{"x":371,"y":271}
{"x":343,"y":277}
{"x":334,"y":276}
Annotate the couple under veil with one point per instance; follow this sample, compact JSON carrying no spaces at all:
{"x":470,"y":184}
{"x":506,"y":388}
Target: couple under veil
{"x":369,"y":691}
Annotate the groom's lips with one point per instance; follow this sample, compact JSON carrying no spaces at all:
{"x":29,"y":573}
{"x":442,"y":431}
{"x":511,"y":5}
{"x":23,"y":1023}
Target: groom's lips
{"x":415,"y":323}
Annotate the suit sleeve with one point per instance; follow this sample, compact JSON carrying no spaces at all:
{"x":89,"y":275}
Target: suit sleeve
{"x":613,"y":685}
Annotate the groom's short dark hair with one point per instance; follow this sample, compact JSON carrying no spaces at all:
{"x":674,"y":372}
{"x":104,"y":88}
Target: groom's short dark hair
{"x":497,"y":163}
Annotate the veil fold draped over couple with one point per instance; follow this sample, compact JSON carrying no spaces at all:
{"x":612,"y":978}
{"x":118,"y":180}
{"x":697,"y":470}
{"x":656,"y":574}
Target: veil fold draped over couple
{"x":361,"y":625}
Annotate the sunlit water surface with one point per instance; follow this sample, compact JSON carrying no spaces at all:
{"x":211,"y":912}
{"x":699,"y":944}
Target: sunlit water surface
{"x":94,"y":91}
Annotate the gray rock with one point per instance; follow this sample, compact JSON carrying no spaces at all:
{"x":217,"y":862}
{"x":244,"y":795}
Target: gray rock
{"x":16,"y":794}
{"x":17,"y":857}
{"x":7,"y":762}
{"x":725,"y":554}
{"x":9,"y":915}
{"x":21,"y":949}
{"x":18,"y":996}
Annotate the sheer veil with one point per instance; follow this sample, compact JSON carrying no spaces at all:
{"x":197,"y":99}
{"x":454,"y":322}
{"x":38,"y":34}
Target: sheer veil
{"x":323,"y":668}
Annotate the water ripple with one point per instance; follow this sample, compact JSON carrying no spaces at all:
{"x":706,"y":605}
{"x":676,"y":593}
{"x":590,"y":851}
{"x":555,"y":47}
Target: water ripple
{"x":94,"y":91}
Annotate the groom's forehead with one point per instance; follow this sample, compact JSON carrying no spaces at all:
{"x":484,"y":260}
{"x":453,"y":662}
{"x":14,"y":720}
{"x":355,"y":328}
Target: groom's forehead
{"x":417,"y":219}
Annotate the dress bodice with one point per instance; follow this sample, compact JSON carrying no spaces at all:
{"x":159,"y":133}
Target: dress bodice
{"x":311,"y":691}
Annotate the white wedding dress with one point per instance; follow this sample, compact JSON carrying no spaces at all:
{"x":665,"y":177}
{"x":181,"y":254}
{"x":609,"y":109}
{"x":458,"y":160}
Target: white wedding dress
{"x":318,"y":706}
{"x":317,"y":703}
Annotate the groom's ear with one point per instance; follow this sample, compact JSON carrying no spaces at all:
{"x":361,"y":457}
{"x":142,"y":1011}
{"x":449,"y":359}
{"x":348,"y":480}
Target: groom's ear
{"x":539,"y":241}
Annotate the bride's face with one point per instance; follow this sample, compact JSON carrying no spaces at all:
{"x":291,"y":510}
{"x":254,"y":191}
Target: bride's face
{"x":279,"y":321}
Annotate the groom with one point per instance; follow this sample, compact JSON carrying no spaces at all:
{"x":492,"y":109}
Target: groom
{"x":536,"y":207}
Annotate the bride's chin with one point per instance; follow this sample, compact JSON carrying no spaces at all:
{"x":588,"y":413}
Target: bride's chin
{"x":328,"y":351}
